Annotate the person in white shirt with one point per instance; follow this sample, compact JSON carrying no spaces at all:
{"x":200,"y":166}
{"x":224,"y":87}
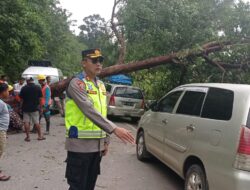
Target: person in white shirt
{"x":18,"y":86}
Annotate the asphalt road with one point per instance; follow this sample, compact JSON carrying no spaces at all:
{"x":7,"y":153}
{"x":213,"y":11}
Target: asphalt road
{"x":40,"y":164}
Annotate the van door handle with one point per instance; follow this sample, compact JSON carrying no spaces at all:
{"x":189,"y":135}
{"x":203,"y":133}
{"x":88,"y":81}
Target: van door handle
{"x":165,"y":121}
{"x":190,"y":127}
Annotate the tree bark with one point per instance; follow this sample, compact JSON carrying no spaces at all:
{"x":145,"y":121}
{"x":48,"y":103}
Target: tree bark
{"x":210,"y":47}
{"x":160,"y":60}
{"x":59,"y":87}
{"x":118,"y":34}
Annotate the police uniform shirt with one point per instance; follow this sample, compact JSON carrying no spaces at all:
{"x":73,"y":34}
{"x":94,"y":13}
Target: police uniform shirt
{"x":77,"y":92}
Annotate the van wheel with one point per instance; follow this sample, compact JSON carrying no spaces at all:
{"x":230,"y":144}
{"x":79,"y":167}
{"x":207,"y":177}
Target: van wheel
{"x":141,"y":151}
{"x":196,"y":178}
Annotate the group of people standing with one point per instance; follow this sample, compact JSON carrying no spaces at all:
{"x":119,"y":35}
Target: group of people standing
{"x":87,"y":128}
{"x":34,"y":101}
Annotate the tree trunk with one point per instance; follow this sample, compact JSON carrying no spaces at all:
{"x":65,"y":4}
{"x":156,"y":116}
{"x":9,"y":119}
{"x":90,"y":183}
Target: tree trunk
{"x":119,"y":34}
{"x":210,"y":47}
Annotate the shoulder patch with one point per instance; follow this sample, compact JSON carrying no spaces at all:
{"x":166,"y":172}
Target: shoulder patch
{"x":81,"y":85}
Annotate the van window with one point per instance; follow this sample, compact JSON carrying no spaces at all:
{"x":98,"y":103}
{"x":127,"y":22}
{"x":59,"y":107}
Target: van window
{"x":167,"y":103}
{"x":218,"y":104}
{"x":126,"y":92}
{"x":191,"y":103}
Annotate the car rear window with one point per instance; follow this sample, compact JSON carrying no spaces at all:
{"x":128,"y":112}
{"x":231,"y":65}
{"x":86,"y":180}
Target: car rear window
{"x":128,"y":92}
{"x":218,"y":104}
{"x":191,"y":103}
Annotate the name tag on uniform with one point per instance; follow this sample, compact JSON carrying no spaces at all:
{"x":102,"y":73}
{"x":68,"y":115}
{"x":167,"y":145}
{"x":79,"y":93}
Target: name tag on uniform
{"x":91,"y":92}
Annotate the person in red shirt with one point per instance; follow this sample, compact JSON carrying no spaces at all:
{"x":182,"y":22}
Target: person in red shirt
{"x":45,"y":101}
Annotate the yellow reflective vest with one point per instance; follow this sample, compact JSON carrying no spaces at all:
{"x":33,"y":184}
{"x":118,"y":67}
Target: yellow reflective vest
{"x":77,"y":124}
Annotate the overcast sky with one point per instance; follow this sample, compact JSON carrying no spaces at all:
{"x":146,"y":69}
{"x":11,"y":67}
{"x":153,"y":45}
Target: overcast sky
{"x":83,"y":8}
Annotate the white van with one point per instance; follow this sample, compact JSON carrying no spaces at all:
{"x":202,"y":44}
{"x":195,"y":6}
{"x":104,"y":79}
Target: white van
{"x":202,"y":132}
{"x":33,"y":71}
{"x":43,"y":68}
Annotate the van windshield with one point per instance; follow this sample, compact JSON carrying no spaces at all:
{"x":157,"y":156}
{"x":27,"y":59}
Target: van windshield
{"x":128,"y":93}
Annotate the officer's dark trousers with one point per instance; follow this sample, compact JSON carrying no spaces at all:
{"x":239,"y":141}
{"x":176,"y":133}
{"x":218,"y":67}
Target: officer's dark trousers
{"x":82,"y":170}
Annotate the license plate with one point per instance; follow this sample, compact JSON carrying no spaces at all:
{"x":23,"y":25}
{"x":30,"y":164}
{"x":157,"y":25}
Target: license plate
{"x":128,"y":103}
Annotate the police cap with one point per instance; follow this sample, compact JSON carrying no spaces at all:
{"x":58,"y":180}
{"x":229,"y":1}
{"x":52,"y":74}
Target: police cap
{"x":92,"y":54}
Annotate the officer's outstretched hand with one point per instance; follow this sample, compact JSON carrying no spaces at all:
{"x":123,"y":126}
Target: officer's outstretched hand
{"x":124,"y":135}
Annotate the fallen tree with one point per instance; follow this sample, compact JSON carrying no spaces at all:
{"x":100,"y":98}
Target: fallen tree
{"x":172,"y":58}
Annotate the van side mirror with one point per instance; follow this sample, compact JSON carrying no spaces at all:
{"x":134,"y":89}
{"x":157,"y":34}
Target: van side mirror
{"x":153,"y":105}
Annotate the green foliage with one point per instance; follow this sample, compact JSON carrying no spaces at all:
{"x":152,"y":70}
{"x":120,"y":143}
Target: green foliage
{"x":36,"y":29}
{"x":165,"y":26}
{"x":159,"y":27}
{"x":39,"y":29}
{"x":95,"y":33}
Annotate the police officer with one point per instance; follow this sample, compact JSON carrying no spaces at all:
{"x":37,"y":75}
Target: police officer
{"x":87,"y":129}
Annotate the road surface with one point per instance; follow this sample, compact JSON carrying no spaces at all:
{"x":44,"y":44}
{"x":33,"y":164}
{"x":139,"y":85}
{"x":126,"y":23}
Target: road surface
{"x":40,"y":165}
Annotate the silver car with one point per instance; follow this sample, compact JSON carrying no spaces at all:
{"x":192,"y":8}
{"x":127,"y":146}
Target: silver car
{"x":202,"y":132}
{"x":125,"y":101}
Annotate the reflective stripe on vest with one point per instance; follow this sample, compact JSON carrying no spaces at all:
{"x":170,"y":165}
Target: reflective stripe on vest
{"x":43,"y":101}
{"x":77,"y":124}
